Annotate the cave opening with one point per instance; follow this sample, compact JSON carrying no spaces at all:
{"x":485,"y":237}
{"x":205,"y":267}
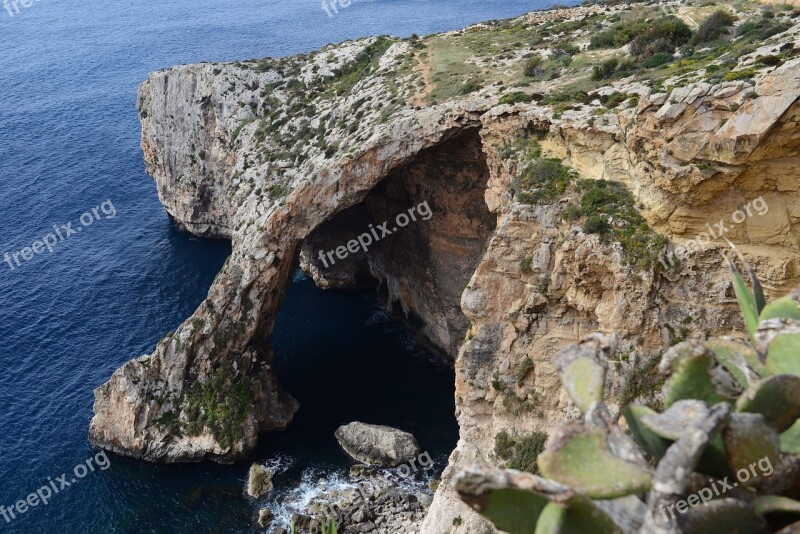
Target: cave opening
{"x":435,"y":229}
{"x":373,"y":337}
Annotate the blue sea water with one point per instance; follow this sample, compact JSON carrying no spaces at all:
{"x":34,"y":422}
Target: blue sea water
{"x":69,"y":142}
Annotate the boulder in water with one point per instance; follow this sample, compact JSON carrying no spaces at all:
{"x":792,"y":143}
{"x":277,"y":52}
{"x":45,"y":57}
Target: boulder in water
{"x":259,"y":482}
{"x":377,"y":445}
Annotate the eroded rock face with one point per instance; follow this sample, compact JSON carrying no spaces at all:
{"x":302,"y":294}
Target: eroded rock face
{"x":377,"y":445}
{"x":423,"y":268}
{"x":164,"y":407}
{"x":238,"y":151}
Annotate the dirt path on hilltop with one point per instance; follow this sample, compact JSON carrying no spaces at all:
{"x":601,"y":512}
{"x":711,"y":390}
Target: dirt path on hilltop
{"x":425,"y":69}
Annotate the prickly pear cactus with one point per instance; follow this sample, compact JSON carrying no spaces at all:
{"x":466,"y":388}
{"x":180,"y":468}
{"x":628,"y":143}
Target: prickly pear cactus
{"x":731,"y":409}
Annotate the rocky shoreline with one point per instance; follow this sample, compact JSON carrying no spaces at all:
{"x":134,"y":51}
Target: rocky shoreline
{"x":373,"y":502}
{"x":388,"y":491}
{"x":513,"y":157}
{"x":364,"y":499}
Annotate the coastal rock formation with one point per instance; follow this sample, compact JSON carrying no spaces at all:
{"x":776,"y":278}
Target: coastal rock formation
{"x":259,"y":481}
{"x":377,"y":445}
{"x":369,"y":504}
{"x":289,"y":157}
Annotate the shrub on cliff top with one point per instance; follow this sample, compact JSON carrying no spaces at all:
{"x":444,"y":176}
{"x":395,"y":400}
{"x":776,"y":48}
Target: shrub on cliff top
{"x":531,"y":67}
{"x":515,"y":97}
{"x":714,"y":27}
{"x":605,"y":70}
{"x":664,"y":35}
{"x":364,"y":63}
{"x":743,"y":74}
{"x":620,"y":34}
{"x":657,"y":60}
{"x":646,"y":37}
{"x":761,"y":29}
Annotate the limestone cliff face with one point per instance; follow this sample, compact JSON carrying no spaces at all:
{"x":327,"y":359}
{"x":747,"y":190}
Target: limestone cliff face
{"x":295,"y":156}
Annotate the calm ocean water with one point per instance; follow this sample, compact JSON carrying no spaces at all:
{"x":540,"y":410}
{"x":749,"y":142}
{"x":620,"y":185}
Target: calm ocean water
{"x":69,"y":141}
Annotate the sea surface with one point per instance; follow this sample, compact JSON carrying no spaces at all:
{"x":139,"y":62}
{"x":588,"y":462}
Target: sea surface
{"x":113,"y":275}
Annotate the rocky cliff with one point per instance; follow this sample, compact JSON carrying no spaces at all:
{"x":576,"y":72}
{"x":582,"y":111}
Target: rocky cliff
{"x":570,"y":191}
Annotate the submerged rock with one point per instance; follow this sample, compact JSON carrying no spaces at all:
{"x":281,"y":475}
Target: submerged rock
{"x":377,"y":445}
{"x":259,"y":481}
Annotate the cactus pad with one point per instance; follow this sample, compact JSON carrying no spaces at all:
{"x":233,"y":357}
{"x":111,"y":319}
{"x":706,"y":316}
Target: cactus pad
{"x":579,"y":458}
{"x":776,"y":398}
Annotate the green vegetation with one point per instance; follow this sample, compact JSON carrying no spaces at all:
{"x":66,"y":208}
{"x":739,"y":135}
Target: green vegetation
{"x":657,"y":60}
{"x":646,"y":37}
{"x":537,"y":68}
{"x":362,"y":66}
{"x":762,"y":29}
{"x":219,"y":405}
{"x":452,"y":73}
{"x":614,"y":99}
{"x":770,"y":61}
{"x":705,"y":167}
{"x":653,"y":42}
{"x":714,"y":27}
{"x":279,"y":191}
{"x":499,"y":36}
{"x":619,"y":34}
{"x":744,"y":74}
{"x":610,"y":210}
{"x":520,"y":452}
{"x":541,"y":180}
{"x":531,"y":66}
{"x":523,"y":370}
{"x":470,"y":86}
{"x":329,"y":527}
{"x":514,"y":98}
{"x":606,"y":69}
{"x":731,"y":412}
{"x":525,"y":265}
{"x":643,"y":382}
{"x":607,"y":208}
{"x":239,"y":129}
{"x":662,"y":35}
